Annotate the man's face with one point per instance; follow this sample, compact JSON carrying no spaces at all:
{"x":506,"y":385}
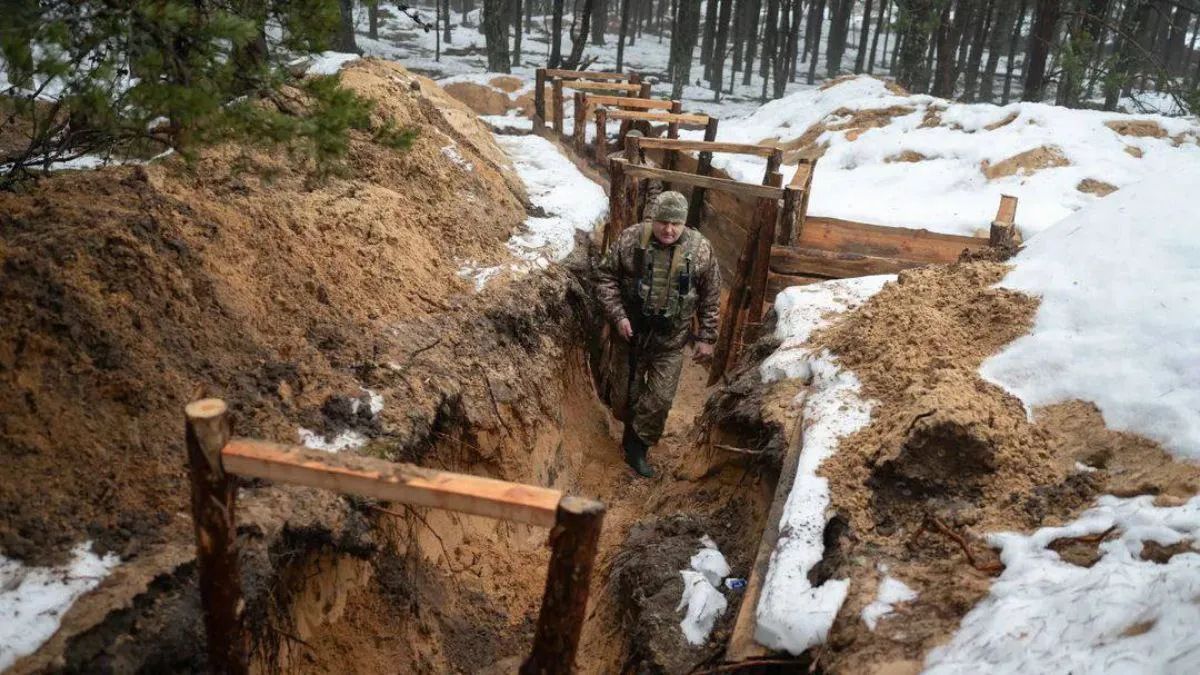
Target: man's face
{"x":667,"y":232}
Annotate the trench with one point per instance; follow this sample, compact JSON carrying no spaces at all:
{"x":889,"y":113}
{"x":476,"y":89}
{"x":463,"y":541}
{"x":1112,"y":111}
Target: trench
{"x":444,"y":592}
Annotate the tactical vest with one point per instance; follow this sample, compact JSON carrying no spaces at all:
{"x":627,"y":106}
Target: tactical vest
{"x":665,"y":278}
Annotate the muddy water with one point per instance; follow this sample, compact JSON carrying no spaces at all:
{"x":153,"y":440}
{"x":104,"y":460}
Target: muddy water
{"x":459,"y":593}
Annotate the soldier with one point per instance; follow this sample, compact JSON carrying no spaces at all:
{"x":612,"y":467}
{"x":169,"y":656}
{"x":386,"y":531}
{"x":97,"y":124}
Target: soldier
{"x":654,"y":278}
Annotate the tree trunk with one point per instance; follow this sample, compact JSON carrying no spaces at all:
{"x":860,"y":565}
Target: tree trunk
{"x":446,"y":21}
{"x":556,"y":22}
{"x":515,"y":8}
{"x":345,"y":34}
{"x":949,"y":36}
{"x":710,"y":29}
{"x":984,"y":28}
{"x":916,"y":19}
{"x":373,"y":19}
{"x":860,"y":61}
{"x":684,"y":36}
{"x":1175,"y":56}
{"x":884,"y":26}
{"x":839,"y":30}
{"x":1045,"y":23}
{"x":1133,"y":20}
{"x":752,"y":42}
{"x":818,"y":17}
{"x":621,"y":35}
{"x":1006,"y":13}
{"x":579,"y":40}
{"x":719,"y":48}
{"x":599,"y":21}
{"x":495,"y":34}
{"x":770,"y":41}
{"x":1012,"y":53}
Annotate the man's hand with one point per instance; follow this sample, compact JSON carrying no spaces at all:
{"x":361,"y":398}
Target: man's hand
{"x":703,"y":352}
{"x":626,"y":330}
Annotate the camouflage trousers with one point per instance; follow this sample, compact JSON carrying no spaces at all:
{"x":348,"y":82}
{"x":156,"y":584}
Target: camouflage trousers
{"x":654,"y":386}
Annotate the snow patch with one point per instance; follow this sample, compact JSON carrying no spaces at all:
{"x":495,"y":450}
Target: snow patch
{"x":451,"y":152}
{"x":1120,"y":291}
{"x":701,"y":592}
{"x":326,"y":63}
{"x":891,"y":592}
{"x":346,"y":440}
{"x":33,"y":600}
{"x":1123,"y":614}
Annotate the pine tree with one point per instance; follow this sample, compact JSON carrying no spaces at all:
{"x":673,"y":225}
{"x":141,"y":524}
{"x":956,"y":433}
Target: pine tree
{"x":916,"y":20}
{"x":1002,"y":24}
{"x":860,"y":60}
{"x":495,"y":34}
{"x":1045,"y":24}
{"x":556,"y":25}
{"x":839,"y":31}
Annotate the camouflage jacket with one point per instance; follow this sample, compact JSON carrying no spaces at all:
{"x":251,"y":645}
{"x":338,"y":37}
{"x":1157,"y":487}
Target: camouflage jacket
{"x":621,"y":287}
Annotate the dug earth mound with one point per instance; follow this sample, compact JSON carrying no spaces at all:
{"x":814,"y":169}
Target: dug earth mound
{"x":330,"y":310}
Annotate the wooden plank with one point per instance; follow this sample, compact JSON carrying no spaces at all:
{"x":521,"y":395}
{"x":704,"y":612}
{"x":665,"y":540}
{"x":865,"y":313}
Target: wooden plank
{"x":747,"y":189}
{"x":574,"y":543}
{"x":681,"y":118}
{"x":369,"y":477}
{"x":778,"y":282}
{"x":602,"y":135}
{"x":556,"y":100}
{"x":715,"y":146}
{"x":628,"y":102}
{"x":742,"y":645}
{"x":585,"y":74}
{"x":815,"y":262}
{"x":539,"y":98}
{"x":786,"y":236}
{"x":578,"y":130}
{"x":766,"y":216}
{"x":599,"y":86}
{"x":1003,"y":233}
{"x":214,"y":508}
{"x":1007,"y":213}
{"x":834,"y":234}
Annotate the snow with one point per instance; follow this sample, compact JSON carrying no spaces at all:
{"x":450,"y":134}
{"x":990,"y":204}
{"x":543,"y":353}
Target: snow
{"x":948,"y":192}
{"x":1123,"y":614}
{"x":33,"y":600}
{"x":702,"y":596}
{"x":569,"y":201}
{"x":328,"y":63}
{"x":1117,"y":325}
{"x":792,"y":614}
{"x":891,"y":592}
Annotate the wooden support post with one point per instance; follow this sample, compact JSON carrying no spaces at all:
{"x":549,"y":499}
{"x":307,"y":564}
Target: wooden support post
{"x":556,"y":99}
{"x":1003,"y":232}
{"x":574,"y":542}
{"x":601,"y":135}
{"x":579,"y":129}
{"x":672,"y":156}
{"x":765,"y":216}
{"x":773,"y":162}
{"x":539,"y":99}
{"x":633,"y":155}
{"x":795,"y":204}
{"x":616,"y":202}
{"x":696,"y":208}
{"x":214,"y":502}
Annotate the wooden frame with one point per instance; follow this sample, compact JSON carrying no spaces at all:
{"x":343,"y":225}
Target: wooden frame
{"x":601,"y":86}
{"x":678,"y":118}
{"x":585,"y":74}
{"x":628,"y":102}
{"x":214,"y":459}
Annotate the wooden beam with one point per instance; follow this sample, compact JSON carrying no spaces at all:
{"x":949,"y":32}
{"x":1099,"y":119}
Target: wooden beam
{"x":574,"y":542}
{"x":698,"y":146}
{"x":1007,"y":213}
{"x":539,"y":98}
{"x":599,"y":86}
{"x":602,"y":135}
{"x":1003,"y":233}
{"x":766,"y":215}
{"x":585,"y":74}
{"x":815,"y":262}
{"x":833,"y":234}
{"x":742,"y":645}
{"x":628,"y":102}
{"x":778,"y":282}
{"x":556,"y":99}
{"x":747,"y":189}
{"x":368,"y":477}
{"x":680,"y":118}
{"x":214,"y":505}
{"x":579,"y":129}
{"x":704,"y":168}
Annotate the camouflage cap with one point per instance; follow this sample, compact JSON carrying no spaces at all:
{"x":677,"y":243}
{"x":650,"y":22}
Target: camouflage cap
{"x":671,"y":207}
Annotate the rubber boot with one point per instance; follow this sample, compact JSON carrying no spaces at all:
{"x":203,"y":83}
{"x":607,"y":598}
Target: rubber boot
{"x":635,"y":453}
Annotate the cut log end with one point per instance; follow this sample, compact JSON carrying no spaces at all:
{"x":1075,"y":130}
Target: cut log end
{"x":205,"y":409}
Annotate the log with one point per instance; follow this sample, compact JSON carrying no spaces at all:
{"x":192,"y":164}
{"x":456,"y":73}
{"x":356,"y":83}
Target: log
{"x":672,"y":135}
{"x":214,"y":508}
{"x":696,"y":205}
{"x":668,"y":117}
{"x":815,"y":262}
{"x":765,"y":215}
{"x":602,"y":135}
{"x":774,"y":159}
{"x":731,"y":312}
{"x":628,"y":102}
{"x":556,"y":99}
{"x":1003,"y":233}
{"x":578,"y":130}
{"x":786,"y":236}
{"x":574,"y":542}
{"x":600,"y":86}
{"x":833,"y":234}
{"x":738,"y":187}
{"x":369,"y":477}
{"x":584,"y":74}
{"x":1007,"y":213}
{"x":539,"y":98}
{"x":616,"y":191}
{"x":712,"y":146}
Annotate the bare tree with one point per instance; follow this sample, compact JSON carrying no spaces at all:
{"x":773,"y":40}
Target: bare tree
{"x":495,"y":34}
{"x":916,"y":19}
{"x":1045,"y":22}
{"x":860,"y":61}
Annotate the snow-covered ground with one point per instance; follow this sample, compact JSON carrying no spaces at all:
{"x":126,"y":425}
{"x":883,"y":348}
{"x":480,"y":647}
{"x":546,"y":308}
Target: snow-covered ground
{"x":792,"y":614}
{"x":33,"y":600}
{"x":1119,"y":321}
{"x":702,"y":601}
{"x":861,"y":178}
